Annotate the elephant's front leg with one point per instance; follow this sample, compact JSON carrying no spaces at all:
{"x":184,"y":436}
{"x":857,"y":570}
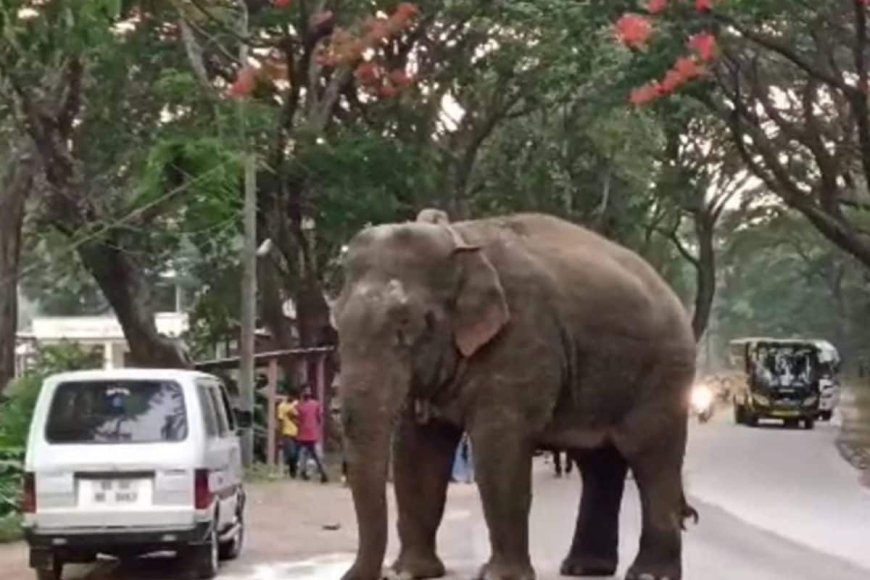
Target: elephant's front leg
{"x":503,"y":465}
{"x":423,"y":458}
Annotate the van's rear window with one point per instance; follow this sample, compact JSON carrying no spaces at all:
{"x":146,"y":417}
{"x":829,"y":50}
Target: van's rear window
{"x":126,"y":411}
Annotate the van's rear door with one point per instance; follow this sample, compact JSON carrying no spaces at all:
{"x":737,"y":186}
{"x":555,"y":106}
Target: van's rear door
{"x":115,"y":453}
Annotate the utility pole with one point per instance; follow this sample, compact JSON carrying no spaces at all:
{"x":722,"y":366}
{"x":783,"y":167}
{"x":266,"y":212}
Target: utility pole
{"x":249,"y":298}
{"x":249,"y":273}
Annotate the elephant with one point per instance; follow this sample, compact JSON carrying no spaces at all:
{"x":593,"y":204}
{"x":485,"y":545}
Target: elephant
{"x":526,"y":332}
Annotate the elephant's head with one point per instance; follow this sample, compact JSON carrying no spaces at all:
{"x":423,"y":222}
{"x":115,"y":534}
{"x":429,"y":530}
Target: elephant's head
{"x":416,"y":299}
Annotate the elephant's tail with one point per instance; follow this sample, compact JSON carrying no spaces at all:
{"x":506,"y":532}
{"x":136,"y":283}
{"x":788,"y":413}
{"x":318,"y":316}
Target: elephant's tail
{"x":687,"y":512}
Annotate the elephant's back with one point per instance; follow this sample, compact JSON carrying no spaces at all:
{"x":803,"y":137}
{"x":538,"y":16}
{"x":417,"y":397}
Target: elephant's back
{"x":601,"y":289}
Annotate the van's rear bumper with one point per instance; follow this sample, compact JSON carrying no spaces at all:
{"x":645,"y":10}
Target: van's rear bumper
{"x":44,"y":543}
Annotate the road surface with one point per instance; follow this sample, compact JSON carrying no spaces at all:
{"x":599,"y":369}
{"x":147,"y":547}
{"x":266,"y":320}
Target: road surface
{"x":775,"y":504}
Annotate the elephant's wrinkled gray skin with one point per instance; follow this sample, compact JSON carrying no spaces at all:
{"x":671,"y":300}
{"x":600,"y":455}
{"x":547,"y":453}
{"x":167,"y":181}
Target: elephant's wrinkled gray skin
{"x":525,"y":331}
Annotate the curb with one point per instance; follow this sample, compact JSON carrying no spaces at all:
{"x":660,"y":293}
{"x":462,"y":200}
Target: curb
{"x":856,"y":455}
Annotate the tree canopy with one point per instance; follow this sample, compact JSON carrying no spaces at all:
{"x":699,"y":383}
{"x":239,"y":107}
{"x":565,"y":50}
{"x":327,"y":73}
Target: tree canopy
{"x":726,"y":141}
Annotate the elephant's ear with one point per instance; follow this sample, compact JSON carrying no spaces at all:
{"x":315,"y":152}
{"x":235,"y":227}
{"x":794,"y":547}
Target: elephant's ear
{"x":481,"y":306}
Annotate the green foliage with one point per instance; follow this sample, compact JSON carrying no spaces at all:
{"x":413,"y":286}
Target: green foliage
{"x":11,"y":461}
{"x":545,"y":127}
{"x":10,"y":528}
{"x":781,"y":278}
{"x":16,"y":411}
{"x":20,"y":398}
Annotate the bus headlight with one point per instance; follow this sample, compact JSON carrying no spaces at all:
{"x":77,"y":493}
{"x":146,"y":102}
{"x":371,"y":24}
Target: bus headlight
{"x":761,"y":400}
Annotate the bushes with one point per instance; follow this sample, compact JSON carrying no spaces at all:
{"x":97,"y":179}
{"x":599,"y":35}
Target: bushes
{"x":15,"y":414}
{"x":11,"y":461}
{"x":16,"y":411}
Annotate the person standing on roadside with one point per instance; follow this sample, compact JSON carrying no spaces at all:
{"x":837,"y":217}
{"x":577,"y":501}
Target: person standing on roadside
{"x":288,"y":417}
{"x":310,"y":428}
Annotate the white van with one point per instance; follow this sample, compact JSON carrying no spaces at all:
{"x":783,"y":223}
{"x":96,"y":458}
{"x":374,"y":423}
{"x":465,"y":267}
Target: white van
{"x":130,"y":462}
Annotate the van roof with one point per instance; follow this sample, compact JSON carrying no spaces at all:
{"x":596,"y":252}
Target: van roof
{"x":130,"y":374}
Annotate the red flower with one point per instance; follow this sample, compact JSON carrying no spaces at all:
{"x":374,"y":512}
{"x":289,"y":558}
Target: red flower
{"x":672,"y":81}
{"x":400,"y":78}
{"x":388,"y":91}
{"x":368,"y":73}
{"x":377,"y":29}
{"x":282,"y":3}
{"x":645,"y":94}
{"x":704,"y":5}
{"x":246,"y":81}
{"x":688,"y":68}
{"x":658,"y":6}
{"x":704,"y":43}
{"x":633,"y":30}
{"x":408,"y":10}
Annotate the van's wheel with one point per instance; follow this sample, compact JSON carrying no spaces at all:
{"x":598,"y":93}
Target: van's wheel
{"x":739,"y":415}
{"x":231,"y":550}
{"x":750,"y":418}
{"x":205,"y":558}
{"x":825,"y":415}
{"x":53,"y":573}
{"x":809,"y":424}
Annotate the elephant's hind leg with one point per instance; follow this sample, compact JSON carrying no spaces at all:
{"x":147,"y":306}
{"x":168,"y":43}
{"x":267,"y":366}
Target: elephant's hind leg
{"x":422,"y":461}
{"x":594,"y":550}
{"x":657,"y":473}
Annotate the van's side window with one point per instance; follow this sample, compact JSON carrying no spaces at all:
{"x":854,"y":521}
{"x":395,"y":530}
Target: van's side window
{"x":208,"y":411}
{"x":228,"y":409}
{"x":223,"y":420}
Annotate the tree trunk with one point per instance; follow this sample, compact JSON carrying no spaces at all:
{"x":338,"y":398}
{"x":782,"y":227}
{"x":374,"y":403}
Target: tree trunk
{"x":705,"y":275}
{"x":71,"y":209}
{"x":272,"y":311}
{"x":835,"y":274}
{"x":13,"y":195}
{"x":127,"y":292}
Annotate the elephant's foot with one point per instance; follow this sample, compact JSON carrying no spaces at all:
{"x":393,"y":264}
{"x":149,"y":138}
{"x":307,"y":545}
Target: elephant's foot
{"x":417,"y":565}
{"x":506,"y":571}
{"x":654,"y":572}
{"x":360,"y":572}
{"x":588,"y":566}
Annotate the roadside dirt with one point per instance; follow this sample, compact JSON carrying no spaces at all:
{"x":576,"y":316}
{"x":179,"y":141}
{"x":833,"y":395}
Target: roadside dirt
{"x":286,"y":521}
{"x":289,"y":523}
{"x":854,"y":439}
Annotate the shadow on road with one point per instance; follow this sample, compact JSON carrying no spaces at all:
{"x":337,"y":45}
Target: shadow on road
{"x":162,"y":566}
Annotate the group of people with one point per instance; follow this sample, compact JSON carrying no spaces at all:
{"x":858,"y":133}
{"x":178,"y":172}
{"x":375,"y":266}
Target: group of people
{"x":301,"y":423}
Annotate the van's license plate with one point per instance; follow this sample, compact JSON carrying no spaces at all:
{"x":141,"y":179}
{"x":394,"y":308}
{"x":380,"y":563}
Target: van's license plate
{"x":116,"y":491}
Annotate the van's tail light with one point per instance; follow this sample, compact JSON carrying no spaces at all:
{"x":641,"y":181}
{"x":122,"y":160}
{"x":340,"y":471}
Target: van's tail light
{"x":202,"y":496}
{"x":28,"y":494}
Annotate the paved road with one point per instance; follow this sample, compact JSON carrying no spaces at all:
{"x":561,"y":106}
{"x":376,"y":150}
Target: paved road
{"x":775,"y":505}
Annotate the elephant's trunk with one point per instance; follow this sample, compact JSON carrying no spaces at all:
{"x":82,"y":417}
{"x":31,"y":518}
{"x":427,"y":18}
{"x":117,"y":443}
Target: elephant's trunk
{"x":369,"y":409}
